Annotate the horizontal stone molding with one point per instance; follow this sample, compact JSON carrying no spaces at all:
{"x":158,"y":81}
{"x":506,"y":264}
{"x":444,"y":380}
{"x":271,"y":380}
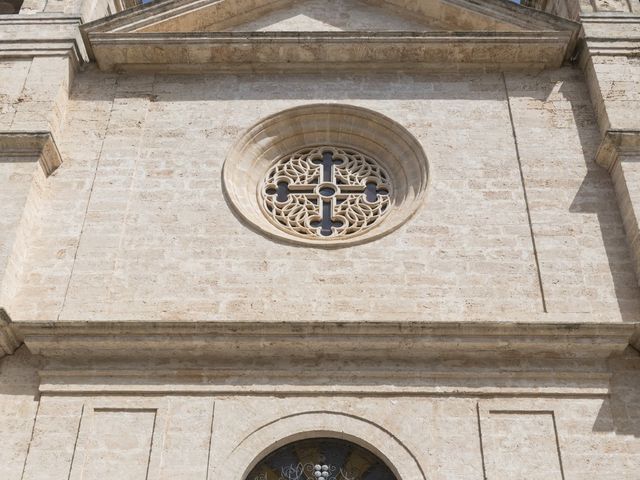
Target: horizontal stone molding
{"x":41,"y":34}
{"x":616,"y":145}
{"x":613,"y":34}
{"x":358,"y":341}
{"x":305,"y":51}
{"x":9,"y":340}
{"x":344,"y":381}
{"x":610,"y":47}
{"x":609,"y":17}
{"x":31,"y":146}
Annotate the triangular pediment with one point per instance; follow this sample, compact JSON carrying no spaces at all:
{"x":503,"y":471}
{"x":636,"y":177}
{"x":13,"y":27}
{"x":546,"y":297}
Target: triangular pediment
{"x":331,"y":15}
{"x":285,"y":34}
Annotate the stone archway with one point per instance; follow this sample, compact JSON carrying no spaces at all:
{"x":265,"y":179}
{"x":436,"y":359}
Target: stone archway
{"x":321,"y":424}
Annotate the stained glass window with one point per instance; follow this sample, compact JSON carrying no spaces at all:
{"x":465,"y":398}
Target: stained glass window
{"x":321,"y":459}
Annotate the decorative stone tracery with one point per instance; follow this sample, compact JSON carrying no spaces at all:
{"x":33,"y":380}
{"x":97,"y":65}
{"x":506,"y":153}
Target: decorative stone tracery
{"x":326,"y":175}
{"x":326,"y":192}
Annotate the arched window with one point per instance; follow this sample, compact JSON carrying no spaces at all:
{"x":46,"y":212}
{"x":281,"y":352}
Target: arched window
{"x":321,"y":459}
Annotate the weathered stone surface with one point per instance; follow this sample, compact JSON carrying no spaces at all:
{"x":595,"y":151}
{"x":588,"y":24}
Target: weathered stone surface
{"x":494,"y":334}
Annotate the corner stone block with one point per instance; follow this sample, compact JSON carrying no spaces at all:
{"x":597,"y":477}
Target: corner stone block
{"x":9,"y":341}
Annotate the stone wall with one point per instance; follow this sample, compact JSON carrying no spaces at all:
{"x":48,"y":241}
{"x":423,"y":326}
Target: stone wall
{"x":522,"y":241}
{"x":147,"y":232}
{"x":423,"y":435}
{"x":19,"y":401}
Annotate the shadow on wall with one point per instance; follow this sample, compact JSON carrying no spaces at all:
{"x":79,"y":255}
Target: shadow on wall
{"x":620,"y":413}
{"x":8,"y":7}
{"x":19,"y":373}
{"x":595,"y":196}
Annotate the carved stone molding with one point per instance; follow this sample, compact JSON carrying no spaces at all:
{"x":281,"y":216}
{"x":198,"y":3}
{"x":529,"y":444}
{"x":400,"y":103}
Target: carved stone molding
{"x":346,"y":126}
{"x":190,"y":36}
{"x":298,"y":358}
{"x":617,"y":145}
{"x":372,"y":342}
{"x":313,"y":51}
{"x":333,"y":424}
{"x":610,"y":34}
{"x":42,"y":34}
{"x":31,"y":146}
{"x":9,"y":341}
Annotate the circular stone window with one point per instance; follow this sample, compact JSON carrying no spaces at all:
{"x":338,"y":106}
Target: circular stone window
{"x":321,"y":459}
{"x":326,"y":175}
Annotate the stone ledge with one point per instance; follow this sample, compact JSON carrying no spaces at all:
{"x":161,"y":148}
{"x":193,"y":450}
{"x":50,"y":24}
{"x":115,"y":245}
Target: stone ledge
{"x":609,"y":34}
{"x":610,"y":47}
{"x":371,"y":341}
{"x":325,"y":382}
{"x":616,"y":145}
{"x":610,"y":17}
{"x":41,"y":34}
{"x":31,"y":146}
{"x":306,"y":51}
{"x":9,"y":341}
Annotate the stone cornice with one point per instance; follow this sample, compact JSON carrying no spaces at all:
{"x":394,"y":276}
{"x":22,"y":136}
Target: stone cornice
{"x":610,"y":17}
{"x":478,"y":16}
{"x":616,"y":145}
{"x":610,"y":34}
{"x":305,"y":51}
{"x":41,"y":35}
{"x":372,"y":342}
{"x":31,"y":146}
{"x":612,"y":48}
{"x":9,"y":341}
{"x":189,"y":35}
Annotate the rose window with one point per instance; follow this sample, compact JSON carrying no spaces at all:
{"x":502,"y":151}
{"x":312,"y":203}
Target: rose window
{"x":326,"y":192}
{"x":325,"y":175}
{"x":321,"y":459}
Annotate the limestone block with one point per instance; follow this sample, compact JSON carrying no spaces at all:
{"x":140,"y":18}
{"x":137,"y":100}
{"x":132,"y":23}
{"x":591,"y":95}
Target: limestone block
{"x":23,"y":192}
{"x":521,"y":444}
{"x":54,"y":438}
{"x":9,"y":338}
{"x":157,"y":144}
{"x":18,"y":408}
{"x":114,"y":443}
{"x":612,"y":5}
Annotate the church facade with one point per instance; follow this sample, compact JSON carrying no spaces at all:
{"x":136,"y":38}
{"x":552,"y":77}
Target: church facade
{"x":320,"y":239}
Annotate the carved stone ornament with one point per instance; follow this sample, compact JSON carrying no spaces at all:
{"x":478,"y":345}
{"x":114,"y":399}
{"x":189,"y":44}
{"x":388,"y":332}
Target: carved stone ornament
{"x":326,"y":175}
{"x":326,"y":192}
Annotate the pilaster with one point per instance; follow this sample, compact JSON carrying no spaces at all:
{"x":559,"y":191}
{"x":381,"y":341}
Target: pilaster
{"x":609,"y":57}
{"x":23,"y":191}
{"x":610,"y":61}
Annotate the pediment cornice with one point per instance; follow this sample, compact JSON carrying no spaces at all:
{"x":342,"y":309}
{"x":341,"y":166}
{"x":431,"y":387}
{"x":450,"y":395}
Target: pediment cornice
{"x":171,"y":36}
